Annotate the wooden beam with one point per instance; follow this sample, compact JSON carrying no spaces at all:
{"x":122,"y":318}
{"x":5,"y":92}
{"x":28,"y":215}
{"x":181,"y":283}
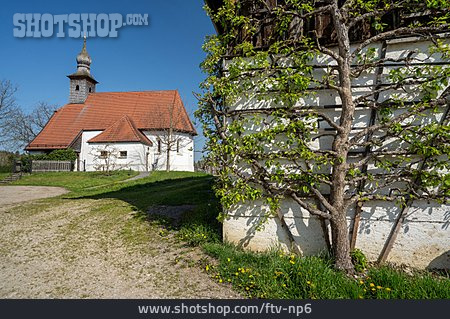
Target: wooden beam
{"x":355,"y":226}
{"x":293,"y":244}
{"x":393,"y":234}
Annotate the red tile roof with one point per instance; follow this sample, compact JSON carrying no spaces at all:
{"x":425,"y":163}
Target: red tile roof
{"x":147,"y":110}
{"x":121,"y":131}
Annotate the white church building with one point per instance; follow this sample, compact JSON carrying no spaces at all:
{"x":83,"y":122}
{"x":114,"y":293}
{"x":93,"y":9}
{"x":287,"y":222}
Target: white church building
{"x":119,"y":130}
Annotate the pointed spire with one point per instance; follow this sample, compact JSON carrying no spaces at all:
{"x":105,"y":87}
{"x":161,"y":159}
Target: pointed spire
{"x":83,"y":59}
{"x":84,"y":44}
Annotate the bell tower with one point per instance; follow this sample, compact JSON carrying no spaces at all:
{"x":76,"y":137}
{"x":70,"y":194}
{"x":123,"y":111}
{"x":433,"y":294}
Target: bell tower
{"x":81,"y":82}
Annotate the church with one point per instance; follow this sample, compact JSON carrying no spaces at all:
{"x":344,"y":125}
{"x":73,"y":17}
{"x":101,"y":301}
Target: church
{"x":141,"y":131}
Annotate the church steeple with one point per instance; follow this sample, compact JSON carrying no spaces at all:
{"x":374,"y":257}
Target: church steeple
{"x":81,"y":82}
{"x":84,"y":60}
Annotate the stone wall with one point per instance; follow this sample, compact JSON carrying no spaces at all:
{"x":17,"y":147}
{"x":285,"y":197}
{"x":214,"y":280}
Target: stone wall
{"x":84,"y":88}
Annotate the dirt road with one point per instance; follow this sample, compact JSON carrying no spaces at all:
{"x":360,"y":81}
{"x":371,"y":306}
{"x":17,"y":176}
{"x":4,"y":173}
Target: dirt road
{"x":93,"y":248}
{"x":17,"y":194}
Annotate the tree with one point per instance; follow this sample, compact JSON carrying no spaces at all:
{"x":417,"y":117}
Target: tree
{"x":22,"y":128}
{"x":105,"y":158}
{"x":267,"y":67}
{"x":167,"y":138}
{"x":7,"y":107}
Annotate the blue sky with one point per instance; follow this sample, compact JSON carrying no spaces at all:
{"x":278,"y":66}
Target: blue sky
{"x":161,"y":56}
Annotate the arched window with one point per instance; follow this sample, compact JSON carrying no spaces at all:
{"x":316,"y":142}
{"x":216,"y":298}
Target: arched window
{"x":178,"y":146}
{"x":159,"y":146}
{"x":90,"y":90}
{"x":77,"y":88}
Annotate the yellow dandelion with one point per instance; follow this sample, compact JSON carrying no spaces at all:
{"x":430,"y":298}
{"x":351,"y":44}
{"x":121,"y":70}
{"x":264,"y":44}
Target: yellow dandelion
{"x":379,"y":287}
{"x":284,"y":285}
{"x":361,"y":297}
{"x":228,"y":259}
{"x":207,"y":268}
{"x":373,"y":289}
{"x":388,"y":289}
{"x":237,"y":274}
{"x":220,"y":280}
{"x":372,"y":284}
{"x":308,"y":282}
{"x":229,"y":280}
{"x":361,"y":282}
{"x":246,"y":288}
{"x":292,"y":261}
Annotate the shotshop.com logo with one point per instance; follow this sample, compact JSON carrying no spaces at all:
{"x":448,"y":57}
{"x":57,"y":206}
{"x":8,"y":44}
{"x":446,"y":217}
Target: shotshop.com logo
{"x":75,"y":25}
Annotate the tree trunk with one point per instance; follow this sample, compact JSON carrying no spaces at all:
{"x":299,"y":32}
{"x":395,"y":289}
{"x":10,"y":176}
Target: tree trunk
{"x":339,"y":232}
{"x":341,"y":243}
{"x":169,"y":146}
{"x":168,"y":159}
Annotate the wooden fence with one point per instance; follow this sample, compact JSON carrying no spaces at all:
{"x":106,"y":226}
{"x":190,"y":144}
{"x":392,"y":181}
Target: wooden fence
{"x":51,"y":166}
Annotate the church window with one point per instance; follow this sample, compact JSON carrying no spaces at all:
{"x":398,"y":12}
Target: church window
{"x":103,"y":154}
{"x":77,"y":88}
{"x":178,"y":146}
{"x":159,"y":146}
{"x":90,"y":90}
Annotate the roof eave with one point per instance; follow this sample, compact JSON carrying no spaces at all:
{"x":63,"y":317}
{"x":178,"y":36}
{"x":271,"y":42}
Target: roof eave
{"x":79,"y":75}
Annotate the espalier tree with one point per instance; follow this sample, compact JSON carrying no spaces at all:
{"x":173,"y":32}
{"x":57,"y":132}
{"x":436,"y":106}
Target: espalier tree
{"x":262,"y":134}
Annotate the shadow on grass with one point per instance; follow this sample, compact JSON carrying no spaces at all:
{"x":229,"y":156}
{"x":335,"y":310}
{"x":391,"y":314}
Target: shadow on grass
{"x":195,"y":190}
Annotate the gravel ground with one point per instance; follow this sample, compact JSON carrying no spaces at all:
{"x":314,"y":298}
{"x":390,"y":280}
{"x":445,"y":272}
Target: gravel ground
{"x":66,"y":248}
{"x":17,"y":194}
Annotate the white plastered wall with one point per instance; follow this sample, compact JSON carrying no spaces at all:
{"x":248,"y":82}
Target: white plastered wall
{"x":140,"y":157}
{"x":424,"y":238}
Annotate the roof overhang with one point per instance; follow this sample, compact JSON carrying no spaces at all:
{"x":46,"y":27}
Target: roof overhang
{"x":82,"y":76}
{"x":214,"y":5}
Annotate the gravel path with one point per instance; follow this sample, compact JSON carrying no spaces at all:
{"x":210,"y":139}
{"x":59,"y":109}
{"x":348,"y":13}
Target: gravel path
{"x":139,"y":176}
{"x":86,"y":248}
{"x":17,"y":194}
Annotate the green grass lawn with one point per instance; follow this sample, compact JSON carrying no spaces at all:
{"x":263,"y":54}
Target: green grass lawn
{"x":4,"y":175}
{"x":257,"y":275}
{"x":275,"y":275}
{"x":74,"y":181}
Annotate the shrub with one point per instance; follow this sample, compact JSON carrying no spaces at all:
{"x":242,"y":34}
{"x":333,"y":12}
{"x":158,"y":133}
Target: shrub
{"x":359,"y":260}
{"x":56,"y":155}
{"x":62,"y":155}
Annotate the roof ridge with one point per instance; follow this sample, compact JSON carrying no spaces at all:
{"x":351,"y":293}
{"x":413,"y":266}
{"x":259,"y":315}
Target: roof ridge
{"x":136,"y":131}
{"x":133,"y":127}
{"x":143,"y":91}
{"x":185,"y":112}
